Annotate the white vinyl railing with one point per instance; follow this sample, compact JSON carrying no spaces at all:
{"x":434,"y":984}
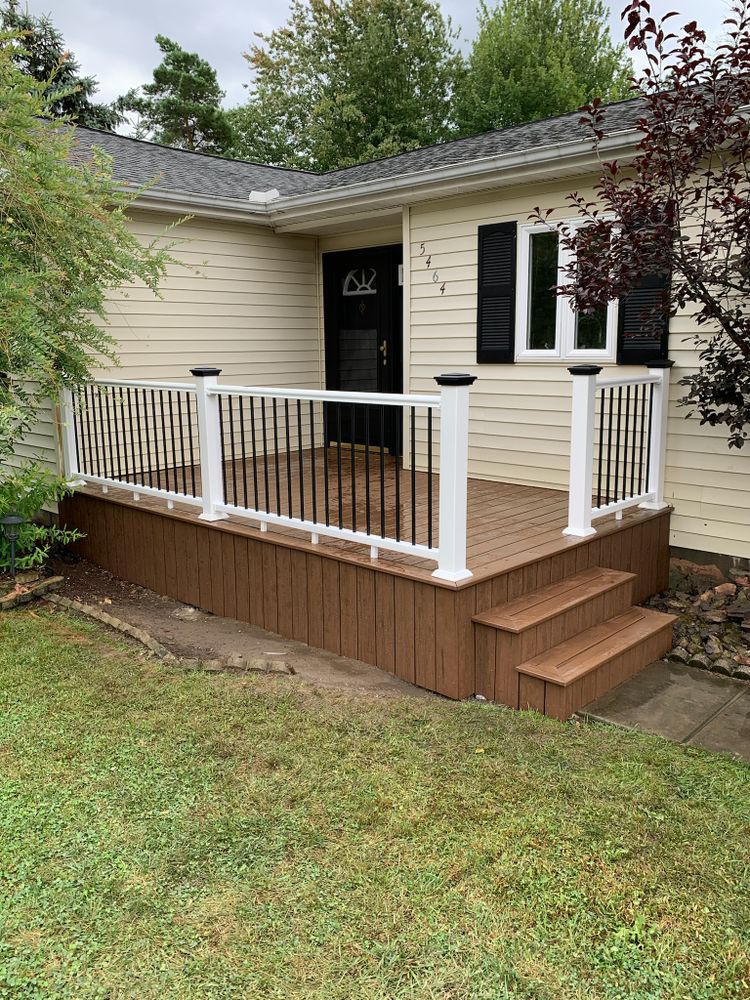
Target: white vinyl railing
{"x":618,"y":441}
{"x":313,"y":460}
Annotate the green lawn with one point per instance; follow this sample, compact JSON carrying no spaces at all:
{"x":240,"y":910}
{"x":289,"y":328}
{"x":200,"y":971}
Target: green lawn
{"x":176,"y":835}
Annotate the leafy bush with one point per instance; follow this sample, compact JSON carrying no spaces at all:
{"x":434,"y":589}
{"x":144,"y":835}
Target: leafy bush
{"x":25,"y":492}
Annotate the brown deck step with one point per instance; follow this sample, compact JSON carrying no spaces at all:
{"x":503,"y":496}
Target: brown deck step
{"x":555,"y":599}
{"x":596,"y":646}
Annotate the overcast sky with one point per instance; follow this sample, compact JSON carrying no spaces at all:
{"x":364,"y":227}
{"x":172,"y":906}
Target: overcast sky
{"x":114,"y":39}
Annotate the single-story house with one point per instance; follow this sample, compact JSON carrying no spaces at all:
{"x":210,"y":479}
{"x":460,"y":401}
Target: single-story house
{"x":378,"y":278}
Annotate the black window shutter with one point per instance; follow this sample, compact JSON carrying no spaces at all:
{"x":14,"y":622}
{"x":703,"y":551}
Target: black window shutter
{"x":643,"y":322}
{"x":496,"y":298}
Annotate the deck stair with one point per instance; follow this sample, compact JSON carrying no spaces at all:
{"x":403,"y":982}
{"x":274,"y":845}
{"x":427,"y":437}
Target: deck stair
{"x":566,"y":643}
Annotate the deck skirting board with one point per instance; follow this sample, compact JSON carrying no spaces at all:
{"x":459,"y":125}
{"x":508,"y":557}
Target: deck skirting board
{"x":393,"y":618}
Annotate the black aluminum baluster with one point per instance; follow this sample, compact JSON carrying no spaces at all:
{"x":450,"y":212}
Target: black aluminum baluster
{"x":243,"y":449}
{"x":634,"y":439}
{"x":265,"y":454}
{"x":120,"y":436}
{"x":131,"y":473}
{"x":276,"y":453}
{"x":625,"y":444}
{"x":301,"y":461}
{"x":156,"y":438}
{"x":650,"y":432}
{"x":367,"y":467}
{"x":326,"y":413}
{"x":288,"y":440}
{"x":413,"y":417}
{"x":232,"y":445}
{"x":97,"y":420}
{"x":397,"y":477}
{"x":609,"y":443}
{"x":191,"y":442}
{"x":600,"y":463}
{"x":382,"y":470}
{"x":181,"y":428}
{"x":338,"y":464}
{"x":90,"y":453}
{"x":641,"y":488}
{"x":170,"y":402}
{"x":352,"y":434}
{"x":145,"y":466}
{"x":429,"y":477}
{"x":256,"y":498}
{"x":313,"y":472}
{"x":110,"y":466}
{"x":617,"y":441}
{"x":222,"y":445}
{"x":164,"y":439}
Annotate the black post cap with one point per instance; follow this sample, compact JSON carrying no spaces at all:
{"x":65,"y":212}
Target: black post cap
{"x":585,"y":369}
{"x":455,"y":378}
{"x":202,"y":372}
{"x":660,"y":363}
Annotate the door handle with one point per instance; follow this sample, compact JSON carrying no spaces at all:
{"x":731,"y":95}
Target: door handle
{"x":384,"y":351}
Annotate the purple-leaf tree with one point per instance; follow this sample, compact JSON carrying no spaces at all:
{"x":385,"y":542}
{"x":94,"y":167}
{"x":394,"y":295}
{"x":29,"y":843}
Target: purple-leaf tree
{"x":681,"y":205}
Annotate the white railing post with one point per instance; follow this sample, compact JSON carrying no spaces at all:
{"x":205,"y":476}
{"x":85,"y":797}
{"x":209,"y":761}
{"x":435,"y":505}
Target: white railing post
{"x":454,"y":473}
{"x":657,"y":445}
{"x":582,"y":450}
{"x":68,"y":435}
{"x":209,"y":443}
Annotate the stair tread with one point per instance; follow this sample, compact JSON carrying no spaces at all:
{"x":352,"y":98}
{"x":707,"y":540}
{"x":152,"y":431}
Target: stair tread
{"x":540,"y":605}
{"x":595,"y":646}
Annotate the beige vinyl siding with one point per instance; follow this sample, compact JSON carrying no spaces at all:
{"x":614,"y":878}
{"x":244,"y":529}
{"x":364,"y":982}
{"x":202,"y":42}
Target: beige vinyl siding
{"x":39,"y":444}
{"x":243,"y":299}
{"x":520,"y":413}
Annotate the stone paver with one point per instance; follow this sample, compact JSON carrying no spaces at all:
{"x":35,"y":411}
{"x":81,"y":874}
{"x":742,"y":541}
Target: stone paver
{"x":681,"y":704}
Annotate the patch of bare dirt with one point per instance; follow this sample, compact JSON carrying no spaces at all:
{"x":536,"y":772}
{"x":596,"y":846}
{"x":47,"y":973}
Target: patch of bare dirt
{"x":193,"y":634}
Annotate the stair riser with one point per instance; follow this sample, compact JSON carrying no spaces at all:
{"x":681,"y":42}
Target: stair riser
{"x":561,"y":702}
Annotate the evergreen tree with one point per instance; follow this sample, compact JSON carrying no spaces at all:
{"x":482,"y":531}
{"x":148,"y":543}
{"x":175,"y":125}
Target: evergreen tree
{"x":343,"y":82}
{"x":182,"y":105}
{"x":534,"y":59}
{"x":42,"y":55}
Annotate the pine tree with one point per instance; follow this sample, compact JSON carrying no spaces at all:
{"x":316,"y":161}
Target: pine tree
{"x":182,"y":105}
{"x":42,"y":55}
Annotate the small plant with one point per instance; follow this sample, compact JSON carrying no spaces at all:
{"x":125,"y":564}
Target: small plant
{"x":25,"y":491}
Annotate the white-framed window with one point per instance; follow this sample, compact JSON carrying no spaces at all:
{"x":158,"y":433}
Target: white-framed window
{"x":547,"y":328}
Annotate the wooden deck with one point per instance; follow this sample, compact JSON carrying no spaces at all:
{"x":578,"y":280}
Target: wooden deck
{"x":508,"y":525}
{"x":389,"y":611}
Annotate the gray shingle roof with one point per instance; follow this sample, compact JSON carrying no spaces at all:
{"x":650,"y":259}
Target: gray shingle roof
{"x":516,"y":139}
{"x":178,"y":170}
{"x":138,"y":162}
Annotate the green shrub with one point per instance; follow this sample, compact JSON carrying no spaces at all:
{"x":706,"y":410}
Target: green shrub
{"x":25,"y":491}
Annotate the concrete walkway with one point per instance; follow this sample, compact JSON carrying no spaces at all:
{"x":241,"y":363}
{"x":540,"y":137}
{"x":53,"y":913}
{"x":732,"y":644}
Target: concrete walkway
{"x":682,"y":704}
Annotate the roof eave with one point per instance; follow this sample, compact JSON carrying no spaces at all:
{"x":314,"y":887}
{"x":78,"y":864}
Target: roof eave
{"x":207,"y":206}
{"x":301,"y":212}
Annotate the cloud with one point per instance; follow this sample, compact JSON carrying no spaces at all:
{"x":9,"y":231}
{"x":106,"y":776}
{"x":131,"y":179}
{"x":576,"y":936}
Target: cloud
{"x":114,"y":41}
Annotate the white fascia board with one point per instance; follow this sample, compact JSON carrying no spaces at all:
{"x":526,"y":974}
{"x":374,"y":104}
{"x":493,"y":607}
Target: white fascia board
{"x":206,"y":206}
{"x":504,"y":170}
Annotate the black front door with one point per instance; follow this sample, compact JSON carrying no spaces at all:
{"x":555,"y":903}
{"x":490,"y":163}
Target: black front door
{"x":362,"y":304}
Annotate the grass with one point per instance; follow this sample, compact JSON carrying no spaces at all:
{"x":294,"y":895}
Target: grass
{"x":171,"y":835}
